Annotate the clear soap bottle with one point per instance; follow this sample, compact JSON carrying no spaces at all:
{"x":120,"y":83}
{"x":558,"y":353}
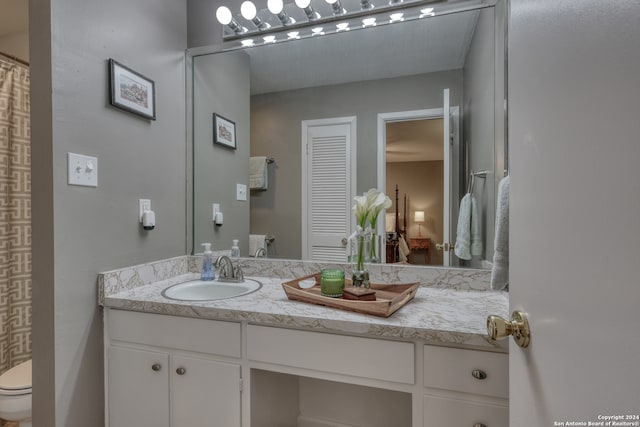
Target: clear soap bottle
{"x":235,"y":250}
{"x":208,"y":270}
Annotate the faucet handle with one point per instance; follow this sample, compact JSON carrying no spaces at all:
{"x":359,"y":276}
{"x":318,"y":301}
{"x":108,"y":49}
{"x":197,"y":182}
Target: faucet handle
{"x":237,"y":274}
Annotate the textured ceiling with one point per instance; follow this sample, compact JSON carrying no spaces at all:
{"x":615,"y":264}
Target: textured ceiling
{"x":415,"y":141}
{"x":14,"y":16}
{"x":421,"y":46}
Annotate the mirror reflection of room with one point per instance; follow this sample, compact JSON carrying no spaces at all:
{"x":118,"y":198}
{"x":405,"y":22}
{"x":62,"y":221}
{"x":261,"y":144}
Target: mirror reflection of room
{"x":414,"y":173}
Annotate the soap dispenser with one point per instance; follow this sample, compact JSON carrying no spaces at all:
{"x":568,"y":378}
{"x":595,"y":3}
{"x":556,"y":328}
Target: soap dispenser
{"x":208,"y":270}
{"x":235,"y":250}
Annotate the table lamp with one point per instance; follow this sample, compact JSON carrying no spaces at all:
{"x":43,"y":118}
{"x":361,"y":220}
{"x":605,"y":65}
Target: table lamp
{"x":418,"y":217}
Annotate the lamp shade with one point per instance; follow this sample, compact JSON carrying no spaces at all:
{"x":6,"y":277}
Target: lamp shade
{"x":418,"y":216}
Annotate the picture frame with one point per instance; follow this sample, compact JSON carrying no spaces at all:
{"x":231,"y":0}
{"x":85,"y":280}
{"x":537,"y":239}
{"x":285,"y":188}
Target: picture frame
{"x":224,"y":131}
{"x":131,"y":91}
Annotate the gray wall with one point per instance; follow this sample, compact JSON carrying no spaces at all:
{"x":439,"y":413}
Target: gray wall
{"x":80,"y":231}
{"x":222,"y":82}
{"x":478,"y":123}
{"x":276,"y":131}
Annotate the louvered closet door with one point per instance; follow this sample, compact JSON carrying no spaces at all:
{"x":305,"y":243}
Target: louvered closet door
{"x":328,"y":190}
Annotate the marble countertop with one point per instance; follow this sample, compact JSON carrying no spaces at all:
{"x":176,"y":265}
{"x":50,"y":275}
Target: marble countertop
{"x":435,"y":316}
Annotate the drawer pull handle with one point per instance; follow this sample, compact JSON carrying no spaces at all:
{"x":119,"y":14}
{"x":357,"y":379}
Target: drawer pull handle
{"x":181,"y":371}
{"x":479,"y":375}
{"x":479,"y":425}
{"x":156,"y":367}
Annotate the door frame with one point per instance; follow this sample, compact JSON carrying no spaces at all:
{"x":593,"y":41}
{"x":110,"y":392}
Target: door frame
{"x":352,"y":153}
{"x":404,"y":116}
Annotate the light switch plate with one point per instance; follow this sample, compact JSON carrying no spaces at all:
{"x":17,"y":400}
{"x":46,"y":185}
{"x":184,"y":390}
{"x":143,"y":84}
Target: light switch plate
{"x":241,"y":192}
{"x":215,"y":207}
{"x":82,"y":170}
{"x":143,"y":205}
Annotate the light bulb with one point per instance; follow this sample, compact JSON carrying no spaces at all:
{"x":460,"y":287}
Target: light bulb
{"x":369,"y":22}
{"x":248,"y":10}
{"x":275,"y":6}
{"x":303,"y":4}
{"x":223,"y":15}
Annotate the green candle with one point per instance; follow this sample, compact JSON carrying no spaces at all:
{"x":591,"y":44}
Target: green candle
{"x":332,"y":282}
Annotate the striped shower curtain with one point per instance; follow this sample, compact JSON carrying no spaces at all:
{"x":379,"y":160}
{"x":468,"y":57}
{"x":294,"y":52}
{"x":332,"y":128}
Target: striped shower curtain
{"x":15,"y":214}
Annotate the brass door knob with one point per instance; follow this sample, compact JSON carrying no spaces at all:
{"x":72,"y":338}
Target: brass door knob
{"x":156,"y":367}
{"x":499,"y":328}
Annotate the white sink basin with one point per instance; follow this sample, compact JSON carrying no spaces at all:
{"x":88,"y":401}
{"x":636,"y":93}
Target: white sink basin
{"x":201,"y":290}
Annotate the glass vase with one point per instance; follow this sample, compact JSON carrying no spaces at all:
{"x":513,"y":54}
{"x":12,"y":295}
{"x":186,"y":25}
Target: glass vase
{"x":360,"y":249}
{"x":375,"y":251}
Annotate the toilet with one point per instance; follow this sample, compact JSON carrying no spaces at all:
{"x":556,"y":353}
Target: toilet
{"x":15,"y":394}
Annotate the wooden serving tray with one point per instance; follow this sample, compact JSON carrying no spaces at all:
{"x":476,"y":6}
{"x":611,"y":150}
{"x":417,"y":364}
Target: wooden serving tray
{"x":389,"y":298}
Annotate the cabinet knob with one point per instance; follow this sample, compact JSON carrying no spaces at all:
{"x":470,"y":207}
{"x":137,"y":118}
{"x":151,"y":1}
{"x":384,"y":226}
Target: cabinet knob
{"x":479,"y":374}
{"x":156,"y":367}
{"x":479,"y":425}
{"x":181,"y":371}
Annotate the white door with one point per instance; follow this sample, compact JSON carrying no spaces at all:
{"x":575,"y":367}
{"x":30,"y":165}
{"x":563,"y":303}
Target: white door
{"x":446,"y":214}
{"x":139,"y":373}
{"x":205,"y":393}
{"x":328,"y":187}
{"x":574,"y":144}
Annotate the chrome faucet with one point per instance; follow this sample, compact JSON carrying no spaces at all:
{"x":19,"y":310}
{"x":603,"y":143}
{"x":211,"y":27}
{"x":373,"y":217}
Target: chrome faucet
{"x":260,"y":253}
{"x":227,"y":272}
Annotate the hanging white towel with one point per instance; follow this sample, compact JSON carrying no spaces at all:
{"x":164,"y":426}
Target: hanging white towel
{"x":468,"y":241}
{"x":257,"y":241}
{"x":476,"y":242}
{"x":500,"y":270}
{"x":258,"y":173}
{"x":463,"y":237}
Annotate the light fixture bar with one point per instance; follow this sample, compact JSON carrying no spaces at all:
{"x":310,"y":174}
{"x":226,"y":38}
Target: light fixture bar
{"x":293,"y":19}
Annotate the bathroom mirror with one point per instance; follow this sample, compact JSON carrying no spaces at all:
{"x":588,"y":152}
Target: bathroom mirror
{"x":379,"y":76}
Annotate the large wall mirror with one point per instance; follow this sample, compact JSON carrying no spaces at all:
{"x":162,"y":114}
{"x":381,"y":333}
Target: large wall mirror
{"x":415,"y":106}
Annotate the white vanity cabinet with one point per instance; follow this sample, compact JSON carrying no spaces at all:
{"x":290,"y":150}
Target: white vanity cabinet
{"x":465,"y":388}
{"x":167,"y":371}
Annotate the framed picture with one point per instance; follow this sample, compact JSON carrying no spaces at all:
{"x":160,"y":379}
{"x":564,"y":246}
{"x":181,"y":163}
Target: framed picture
{"x":224,"y":131}
{"x":131,"y":91}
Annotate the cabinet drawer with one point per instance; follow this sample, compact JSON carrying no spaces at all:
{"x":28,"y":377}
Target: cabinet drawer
{"x":452,"y":369}
{"x":206,"y":336}
{"x":362,"y":357}
{"x":444,"y":412}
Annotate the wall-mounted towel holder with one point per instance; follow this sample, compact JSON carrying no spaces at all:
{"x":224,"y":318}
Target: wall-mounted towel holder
{"x":473,"y":175}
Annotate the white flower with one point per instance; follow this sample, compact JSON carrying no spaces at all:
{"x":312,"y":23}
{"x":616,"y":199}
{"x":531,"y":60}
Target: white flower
{"x":369,"y":206}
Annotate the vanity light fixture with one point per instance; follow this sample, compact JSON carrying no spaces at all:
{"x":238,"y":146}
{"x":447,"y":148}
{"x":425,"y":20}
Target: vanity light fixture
{"x":337,"y":7}
{"x":368,"y":22}
{"x":293,"y":35}
{"x":250,"y":13}
{"x":428,"y":11}
{"x":343,"y":26}
{"x":223,"y":15}
{"x":277,"y":8}
{"x":317,"y":31}
{"x":247,"y":43}
{"x":305,"y":5}
{"x":397,"y":17}
{"x":269,"y":39}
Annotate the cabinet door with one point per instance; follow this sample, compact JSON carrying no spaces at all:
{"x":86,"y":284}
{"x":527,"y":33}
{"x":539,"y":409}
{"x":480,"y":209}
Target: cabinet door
{"x":138,"y":388}
{"x":446,"y":412}
{"x":205,"y":393}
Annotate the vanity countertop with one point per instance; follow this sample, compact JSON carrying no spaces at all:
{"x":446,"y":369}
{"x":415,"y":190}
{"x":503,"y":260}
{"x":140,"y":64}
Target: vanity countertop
{"x":435,"y":316}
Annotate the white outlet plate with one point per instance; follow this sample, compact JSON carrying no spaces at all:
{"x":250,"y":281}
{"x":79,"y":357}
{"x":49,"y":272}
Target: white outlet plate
{"x":241,"y":192}
{"x":143,"y":205}
{"x":82,"y":170}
